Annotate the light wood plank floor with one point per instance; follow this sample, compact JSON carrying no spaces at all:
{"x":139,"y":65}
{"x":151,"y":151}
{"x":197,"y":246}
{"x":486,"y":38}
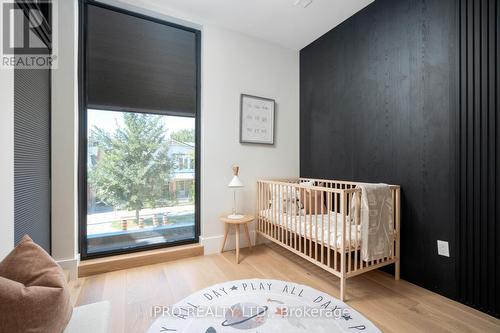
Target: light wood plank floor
{"x":394,"y":306}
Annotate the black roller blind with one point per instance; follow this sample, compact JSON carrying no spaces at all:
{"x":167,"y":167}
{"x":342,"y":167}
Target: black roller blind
{"x":136,"y":64}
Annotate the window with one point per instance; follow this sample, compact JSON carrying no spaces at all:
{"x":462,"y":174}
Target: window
{"x":139,"y":174}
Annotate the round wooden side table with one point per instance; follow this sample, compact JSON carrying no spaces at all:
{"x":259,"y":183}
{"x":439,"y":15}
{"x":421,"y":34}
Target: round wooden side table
{"x":243,"y":221}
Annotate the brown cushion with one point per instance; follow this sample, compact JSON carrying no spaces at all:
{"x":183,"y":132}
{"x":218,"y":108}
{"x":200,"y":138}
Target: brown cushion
{"x":311,"y":201}
{"x":34,"y":295}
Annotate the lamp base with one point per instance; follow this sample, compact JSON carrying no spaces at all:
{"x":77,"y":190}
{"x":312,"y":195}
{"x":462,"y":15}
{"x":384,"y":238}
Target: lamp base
{"x":235,"y":216}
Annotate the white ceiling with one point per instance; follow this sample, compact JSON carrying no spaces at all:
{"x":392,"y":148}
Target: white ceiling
{"x":277,"y":21}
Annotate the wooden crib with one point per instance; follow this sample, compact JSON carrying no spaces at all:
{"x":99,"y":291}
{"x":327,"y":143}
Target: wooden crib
{"x":303,"y":232}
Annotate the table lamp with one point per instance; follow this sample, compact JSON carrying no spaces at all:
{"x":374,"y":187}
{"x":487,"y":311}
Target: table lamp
{"x":234,"y":184}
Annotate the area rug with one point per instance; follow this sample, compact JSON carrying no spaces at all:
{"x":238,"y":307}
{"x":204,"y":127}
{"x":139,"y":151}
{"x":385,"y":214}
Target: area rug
{"x":259,"y":306}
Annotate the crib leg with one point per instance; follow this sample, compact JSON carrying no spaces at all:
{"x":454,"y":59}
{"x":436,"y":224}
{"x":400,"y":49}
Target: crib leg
{"x":397,"y":270}
{"x":342,"y":288}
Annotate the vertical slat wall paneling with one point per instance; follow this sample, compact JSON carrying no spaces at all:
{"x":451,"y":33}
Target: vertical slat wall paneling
{"x":496,"y":149}
{"x":478,"y":137}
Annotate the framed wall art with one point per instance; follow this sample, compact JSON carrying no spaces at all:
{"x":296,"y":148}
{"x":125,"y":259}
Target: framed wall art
{"x":256,"y":120}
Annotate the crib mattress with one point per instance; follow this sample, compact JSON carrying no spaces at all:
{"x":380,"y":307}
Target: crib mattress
{"x":315,"y":227}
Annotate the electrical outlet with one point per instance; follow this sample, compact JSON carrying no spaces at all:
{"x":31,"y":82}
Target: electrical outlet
{"x":443,"y":248}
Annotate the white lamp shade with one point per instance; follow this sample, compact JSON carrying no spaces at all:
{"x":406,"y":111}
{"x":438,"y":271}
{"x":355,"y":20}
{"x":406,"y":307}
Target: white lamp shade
{"x":235,"y":182}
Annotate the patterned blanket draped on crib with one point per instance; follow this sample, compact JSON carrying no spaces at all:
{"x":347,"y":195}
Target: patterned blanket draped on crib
{"x":377,"y":224}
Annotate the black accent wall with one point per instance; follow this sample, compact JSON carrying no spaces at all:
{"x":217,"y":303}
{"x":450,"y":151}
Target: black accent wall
{"x":478,"y":186}
{"x":380,"y":102}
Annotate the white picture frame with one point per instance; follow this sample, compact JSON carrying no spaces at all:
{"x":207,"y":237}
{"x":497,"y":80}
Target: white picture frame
{"x":257,"y":117}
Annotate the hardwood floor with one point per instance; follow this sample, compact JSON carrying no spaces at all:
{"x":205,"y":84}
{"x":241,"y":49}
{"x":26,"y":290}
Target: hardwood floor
{"x":394,"y":306}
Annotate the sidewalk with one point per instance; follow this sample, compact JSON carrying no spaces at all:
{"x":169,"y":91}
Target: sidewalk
{"x":127,"y":214}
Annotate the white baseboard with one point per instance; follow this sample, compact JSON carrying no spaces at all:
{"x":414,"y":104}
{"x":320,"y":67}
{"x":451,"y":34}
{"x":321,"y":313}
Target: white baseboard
{"x":70,"y":265}
{"x":212,"y":244}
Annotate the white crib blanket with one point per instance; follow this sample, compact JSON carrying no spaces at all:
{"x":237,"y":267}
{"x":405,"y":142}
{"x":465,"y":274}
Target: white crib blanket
{"x":317,"y":230}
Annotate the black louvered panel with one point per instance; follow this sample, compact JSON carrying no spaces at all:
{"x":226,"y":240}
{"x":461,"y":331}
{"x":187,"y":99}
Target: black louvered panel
{"x":479,"y":146}
{"x":32,"y":155}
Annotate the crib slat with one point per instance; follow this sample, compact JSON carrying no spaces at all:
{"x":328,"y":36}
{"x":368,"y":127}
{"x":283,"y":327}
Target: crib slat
{"x":286,"y":204}
{"x":271,"y":207}
{"x":278,"y":217}
{"x":268,"y":208}
{"x":294,"y":193}
{"x":295,"y":220}
{"x":349,"y":198}
{"x":283,"y":214}
{"x":304,"y":224}
{"x":310,"y":223}
{"x":316,"y":225}
{"x":288,"y":216}
{"x":270,"y":214}
{"x":271,"y":210}
{"x":358,"y":226}
{"x":300,"y":220}
{"x":354,"y":221}
{"x":258,"y":208}
{"x":257,"y":214}
{"x":398,"y":233}
{"x":322,"y":247}
{"x":274,"y":203}
{"x":280,"y":212}
{"x":329,"y":208}
{"x":306,"y":213}
{"x":343,"y":203}
{"x":336,"y":231}
{"x":265,"y":206}
{"x":288,"y":226}
{"x":261,"y":206}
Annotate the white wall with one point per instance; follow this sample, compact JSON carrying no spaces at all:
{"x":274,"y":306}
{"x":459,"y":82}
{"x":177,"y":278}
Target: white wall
{"x":6,"y":161}
{"x":232,"y":64}
{"x":64,"y":136}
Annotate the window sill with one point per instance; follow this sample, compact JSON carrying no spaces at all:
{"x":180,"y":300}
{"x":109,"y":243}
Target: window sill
{"x":137,"y":259}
